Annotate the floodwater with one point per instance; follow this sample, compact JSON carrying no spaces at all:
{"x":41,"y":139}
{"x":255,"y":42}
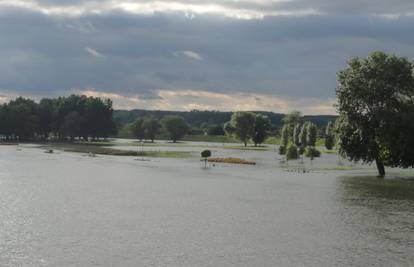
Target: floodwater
{"x":67,"y":209}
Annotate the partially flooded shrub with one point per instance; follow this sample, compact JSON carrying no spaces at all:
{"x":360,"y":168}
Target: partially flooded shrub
{"x":282,"y":150}
{"x":301,"y":150}
{"x":206,"y":154}
{"x":312,"y":152}
{"x":292,"y":152}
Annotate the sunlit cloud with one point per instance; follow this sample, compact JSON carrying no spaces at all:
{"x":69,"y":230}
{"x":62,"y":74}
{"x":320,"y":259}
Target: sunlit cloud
{"x":186,"y":100}
{"x":244,"y":9}
{"x":4,"y":99}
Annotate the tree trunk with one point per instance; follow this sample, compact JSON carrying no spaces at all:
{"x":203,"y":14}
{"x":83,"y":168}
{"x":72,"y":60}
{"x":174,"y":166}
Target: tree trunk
{"x":380,"y":167}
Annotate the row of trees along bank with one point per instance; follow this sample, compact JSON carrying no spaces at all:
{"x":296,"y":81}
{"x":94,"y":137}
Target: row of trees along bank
{"x":63,"y":118}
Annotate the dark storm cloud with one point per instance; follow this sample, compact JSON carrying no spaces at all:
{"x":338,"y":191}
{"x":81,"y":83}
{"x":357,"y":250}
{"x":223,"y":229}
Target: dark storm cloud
{"x":129,"y":54}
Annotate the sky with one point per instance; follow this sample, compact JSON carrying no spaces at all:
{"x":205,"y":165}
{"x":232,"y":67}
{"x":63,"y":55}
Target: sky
{"x":269,"y":55}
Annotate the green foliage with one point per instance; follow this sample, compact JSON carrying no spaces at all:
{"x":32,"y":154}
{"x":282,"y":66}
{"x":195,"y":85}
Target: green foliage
{"x":292,"y":152}
{"x":303,"y":134}
{"x":242,"y":124}
{"x":282,"y":150}
{"x":261,"y":127}
{"x":376,"y":108}
{"x":290,"y":120}
{"x":216,"y":130}
{"x":138,"y":129}
{"x":175,"y":126}
{"x":301,"y":150}
{"x":296,"y":134}
{"x":206,"y":153}
{"x":152,"y":128}
{"x":293,"y":118}
{"x":61,"y":118}
{"x":311,"y":133}
{"x":228,"y":128}
{"x":312,"y":152}
{"x":285,"y":135}
{"x":197,"y":117}
{"x":329,"y":136}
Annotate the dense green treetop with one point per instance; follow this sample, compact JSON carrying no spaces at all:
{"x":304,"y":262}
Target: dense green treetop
{"x":63,"y":117}
{"x":261,"y":127}
{"x":243,"y":125}
{"x":376,"y":110}
{"x":176,"y":126}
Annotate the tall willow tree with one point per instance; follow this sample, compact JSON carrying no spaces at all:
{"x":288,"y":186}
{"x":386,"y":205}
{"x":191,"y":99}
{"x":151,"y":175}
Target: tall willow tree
{"x":376,"y":111}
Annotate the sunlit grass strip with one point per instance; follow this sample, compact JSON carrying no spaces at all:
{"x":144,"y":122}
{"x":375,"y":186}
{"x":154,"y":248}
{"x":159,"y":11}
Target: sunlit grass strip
{"x":99,"y":150}
{"x":232,"y":161}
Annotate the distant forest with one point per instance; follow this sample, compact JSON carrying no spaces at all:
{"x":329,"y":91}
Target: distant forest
{"x":196,"y":118}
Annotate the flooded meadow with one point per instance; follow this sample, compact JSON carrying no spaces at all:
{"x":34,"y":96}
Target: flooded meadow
{"x":73,"y":209}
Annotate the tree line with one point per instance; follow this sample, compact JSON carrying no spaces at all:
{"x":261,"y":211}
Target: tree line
{"x":211,"y":122}
{"x":63,"y":118}
{"x":149,"y":128}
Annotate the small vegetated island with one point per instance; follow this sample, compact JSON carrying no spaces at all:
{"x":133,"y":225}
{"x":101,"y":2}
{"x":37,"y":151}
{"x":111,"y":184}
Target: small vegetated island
{"x":375,"y":123}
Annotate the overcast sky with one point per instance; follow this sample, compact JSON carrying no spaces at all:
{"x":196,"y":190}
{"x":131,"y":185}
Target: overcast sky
{"x":273,"y":55}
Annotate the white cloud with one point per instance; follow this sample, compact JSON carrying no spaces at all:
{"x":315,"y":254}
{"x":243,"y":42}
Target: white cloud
{"x":243,"y":9}
{"x":189,"y":54}
{"x":93,"y":52}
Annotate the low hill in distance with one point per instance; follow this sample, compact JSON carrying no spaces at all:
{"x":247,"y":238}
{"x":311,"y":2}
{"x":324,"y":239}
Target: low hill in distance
{"x":197,"y":118}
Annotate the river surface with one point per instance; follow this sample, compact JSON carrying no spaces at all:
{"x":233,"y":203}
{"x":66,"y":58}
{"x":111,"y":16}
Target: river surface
{"x":67,"y":209}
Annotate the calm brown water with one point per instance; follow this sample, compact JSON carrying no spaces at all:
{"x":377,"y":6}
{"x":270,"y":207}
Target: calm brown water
{"x":70,"y":210}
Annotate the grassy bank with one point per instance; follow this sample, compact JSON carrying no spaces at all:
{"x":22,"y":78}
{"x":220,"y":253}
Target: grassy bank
{"x":100,"y":150}
{"x":231,"y":161}
{"x":210,"y":138}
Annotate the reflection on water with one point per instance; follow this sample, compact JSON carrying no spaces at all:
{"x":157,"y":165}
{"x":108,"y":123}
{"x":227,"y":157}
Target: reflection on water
{"x":370,"y":187}
{"x":67,"y":209}
{"x":381,"y":211}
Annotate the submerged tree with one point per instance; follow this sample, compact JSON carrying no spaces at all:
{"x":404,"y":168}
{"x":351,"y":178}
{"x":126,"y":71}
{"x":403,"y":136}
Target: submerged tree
{"x":302,"y":137}
{"x":175,"y":126}
{"x":291,"y":120}
{"x":284,"y":136}
{"x":138,"y":129}
{"x":261,"y":127}
{"x":243,"y":125}
{"x":376,"y":111}
{"x":205,"y":154}
{"x":292,"y":152}
{"x":152,"y":128}
{"x":329,"y":136}
{"x":228,"y":128}
{"x":311,"y":132}
{"x":296,"y":134}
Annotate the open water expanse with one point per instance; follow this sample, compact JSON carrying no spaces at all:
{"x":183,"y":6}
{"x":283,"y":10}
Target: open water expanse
{"x":68,"y":209}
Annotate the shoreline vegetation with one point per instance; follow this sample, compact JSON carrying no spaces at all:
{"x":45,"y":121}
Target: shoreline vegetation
{"x":231,"y":161}
{"x":102,"y":150}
